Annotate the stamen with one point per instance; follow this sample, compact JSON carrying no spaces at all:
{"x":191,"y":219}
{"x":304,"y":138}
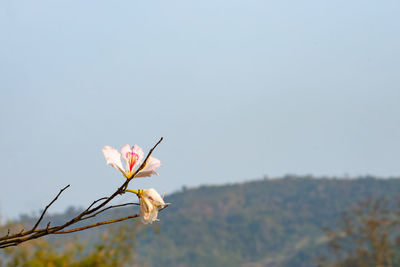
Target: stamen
{"x":131,"y":159}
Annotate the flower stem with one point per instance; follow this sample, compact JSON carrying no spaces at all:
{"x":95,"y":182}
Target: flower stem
{"x":132,"y":191}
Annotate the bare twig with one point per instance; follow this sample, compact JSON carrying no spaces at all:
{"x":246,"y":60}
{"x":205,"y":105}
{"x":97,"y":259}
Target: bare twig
{"x":97,"y":224}
{"x":109,"y":207}
{"x":44,"y":211}
{"x":94,"y":202}
{"x":97,"y":207}
{"x":164,"y":207}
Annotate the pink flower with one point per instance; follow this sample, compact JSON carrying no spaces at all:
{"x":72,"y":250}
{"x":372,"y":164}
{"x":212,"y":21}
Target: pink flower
{"x":133,"y":157}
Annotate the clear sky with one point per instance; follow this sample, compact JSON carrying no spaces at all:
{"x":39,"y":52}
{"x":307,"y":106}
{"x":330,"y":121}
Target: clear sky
{"x":238,"y":89}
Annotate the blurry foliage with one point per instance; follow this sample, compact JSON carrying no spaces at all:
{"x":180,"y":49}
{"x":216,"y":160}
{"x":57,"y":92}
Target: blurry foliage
{"x":276,"y":222}
{"x":273,"y":222}
{"x":115,"y":248}
{"x":367,"y":235}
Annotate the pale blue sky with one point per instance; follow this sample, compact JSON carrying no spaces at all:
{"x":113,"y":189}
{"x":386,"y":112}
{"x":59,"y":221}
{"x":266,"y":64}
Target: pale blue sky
{"x":239,"y":90}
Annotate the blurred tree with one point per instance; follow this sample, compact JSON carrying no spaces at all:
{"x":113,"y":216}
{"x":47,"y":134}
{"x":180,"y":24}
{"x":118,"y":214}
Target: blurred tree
{"x":367,"y":235}
{"x":116,"y":248}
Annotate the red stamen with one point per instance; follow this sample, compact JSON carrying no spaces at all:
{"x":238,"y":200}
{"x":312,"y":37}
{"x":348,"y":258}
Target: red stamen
{"x":132,"y":159}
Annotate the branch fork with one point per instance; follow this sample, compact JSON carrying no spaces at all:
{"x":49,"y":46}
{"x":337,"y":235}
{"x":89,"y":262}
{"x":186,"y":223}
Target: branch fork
{"x":97,"y":207}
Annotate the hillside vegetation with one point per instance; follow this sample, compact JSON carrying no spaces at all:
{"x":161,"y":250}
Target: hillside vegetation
{"x":272,"y":222}
{"x":277,"y":222}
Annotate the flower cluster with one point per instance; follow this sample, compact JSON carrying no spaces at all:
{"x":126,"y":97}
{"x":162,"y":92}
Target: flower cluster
{"x":150,"y":200}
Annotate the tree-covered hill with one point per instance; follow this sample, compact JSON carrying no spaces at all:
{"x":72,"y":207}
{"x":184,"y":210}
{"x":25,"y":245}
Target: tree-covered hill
{"x":272,"y":222}
{"x":277,"y":222}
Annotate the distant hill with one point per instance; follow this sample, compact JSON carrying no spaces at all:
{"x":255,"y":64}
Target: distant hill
{"x":273,"y":222}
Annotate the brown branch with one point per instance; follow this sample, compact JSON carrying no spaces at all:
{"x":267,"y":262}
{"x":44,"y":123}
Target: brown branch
{"x":54,"y":200}
{"x":105,"y":222}
{"x":109,"y":207}
{"x":164,"y":207}
{"x":94,"y":209}
{"x":8,"y":236}
{"x":94,"y":202}
{"x":21,"y":233}
{"x":146,"y":159}
{"x":97,"y":224}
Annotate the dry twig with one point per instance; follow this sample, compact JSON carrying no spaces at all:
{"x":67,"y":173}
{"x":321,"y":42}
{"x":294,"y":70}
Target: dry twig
{"x":97,"y":207}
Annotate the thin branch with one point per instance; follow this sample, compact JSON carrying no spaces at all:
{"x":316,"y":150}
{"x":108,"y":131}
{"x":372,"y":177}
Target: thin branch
{"x":146,"y":159}
{"x":41,"y":216}
{"x":11,"y":244}
{"x":96,"y":224}
{"x":97,"y":207}
{"x":105,"y":222}
{"x":21,"y":233}
{"x":110,"y":207}
{"x":164,"y":207}
{"x":94,"y":202}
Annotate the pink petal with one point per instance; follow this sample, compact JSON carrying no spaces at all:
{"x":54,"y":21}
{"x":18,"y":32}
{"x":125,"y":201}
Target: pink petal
{"x":113,"y":157}
{"x":151,"y":165}
{"x":125,"y":149}
{"x":138,"y":150}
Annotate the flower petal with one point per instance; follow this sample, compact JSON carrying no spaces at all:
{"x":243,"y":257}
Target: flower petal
{"x":113,"y":157}
{"x":153,"y":216}
{"x":151,"y":165}
{"x":150,"y":202}
{"x":138,"y":150}
{"x":155,"y":198}
{"x":147,"y":211}
{"x":125,"y":149}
